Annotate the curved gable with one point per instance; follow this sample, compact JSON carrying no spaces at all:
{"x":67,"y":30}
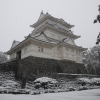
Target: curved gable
{"x":14,"y":43}
{"x":69,"y":41}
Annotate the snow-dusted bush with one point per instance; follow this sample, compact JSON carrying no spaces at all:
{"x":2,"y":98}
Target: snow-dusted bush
{"x":82,"y":88}
{"x":35,"y":92}
{"x":71,"y":89}
{"x":92,"y":81}
{"x":95,"y":81}
{"x":45,"y":82}
{"x":10,"y":84}
{"x":14,"y":91}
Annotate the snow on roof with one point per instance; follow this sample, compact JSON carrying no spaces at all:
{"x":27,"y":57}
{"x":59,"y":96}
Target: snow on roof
{"x":36,"y":35}
{"x":65,"y":39}
{"x":62,"y":20}
{"x":54,"y":42}
{"x":62,"y":29}
{"x":14,"y":43}
{"x":41,"y":15}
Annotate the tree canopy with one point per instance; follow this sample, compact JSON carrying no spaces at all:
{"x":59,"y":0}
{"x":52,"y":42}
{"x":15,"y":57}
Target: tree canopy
{"x":98,"y":16}
{"x":3,"y":57}
{"x":91,"y":58}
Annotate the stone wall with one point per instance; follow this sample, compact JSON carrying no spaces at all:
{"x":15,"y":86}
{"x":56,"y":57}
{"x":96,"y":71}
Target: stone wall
{"x":33,"y":67}
{"x":9,"y":66}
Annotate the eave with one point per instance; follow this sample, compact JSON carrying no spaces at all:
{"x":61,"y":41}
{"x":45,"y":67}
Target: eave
{"x":48,"y":26}
{"x":47,"y":16}
{"x":73,"y":46}
{"x":27,"y":41}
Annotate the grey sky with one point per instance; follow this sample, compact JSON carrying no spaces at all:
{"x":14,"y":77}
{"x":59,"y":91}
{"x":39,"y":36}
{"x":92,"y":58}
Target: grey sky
{"x":16,"y":16}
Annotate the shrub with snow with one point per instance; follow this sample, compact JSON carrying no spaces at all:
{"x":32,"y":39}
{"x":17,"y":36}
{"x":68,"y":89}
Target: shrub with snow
{"x":92,"y":81}
{"x":45,"y":82}
{"x":10,"y":83}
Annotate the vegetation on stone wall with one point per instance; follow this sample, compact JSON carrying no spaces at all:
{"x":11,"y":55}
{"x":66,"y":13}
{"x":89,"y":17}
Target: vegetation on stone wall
{"x":32,"y":67}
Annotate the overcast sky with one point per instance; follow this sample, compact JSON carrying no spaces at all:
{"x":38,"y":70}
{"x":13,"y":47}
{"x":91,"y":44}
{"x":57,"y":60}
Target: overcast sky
{"x":16,"y":16}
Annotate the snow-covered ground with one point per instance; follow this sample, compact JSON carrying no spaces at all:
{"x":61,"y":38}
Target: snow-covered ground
{"x":76,"y":95}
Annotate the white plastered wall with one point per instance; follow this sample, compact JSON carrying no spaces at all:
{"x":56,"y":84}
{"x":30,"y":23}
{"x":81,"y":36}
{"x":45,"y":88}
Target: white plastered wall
{"x":56,"y":52}
{"x":79,"y":56}
{"x":32,"y":50}
{"x":72,"y":54}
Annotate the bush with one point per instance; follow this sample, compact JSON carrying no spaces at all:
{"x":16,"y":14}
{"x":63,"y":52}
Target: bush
{"x":45,"y":82}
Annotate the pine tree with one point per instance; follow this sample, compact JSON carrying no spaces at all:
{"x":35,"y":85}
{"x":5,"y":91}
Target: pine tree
{"x":98,"y":16}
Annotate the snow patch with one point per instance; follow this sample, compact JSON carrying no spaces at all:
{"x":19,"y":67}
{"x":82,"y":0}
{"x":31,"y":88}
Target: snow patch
{"x":45,"y":79}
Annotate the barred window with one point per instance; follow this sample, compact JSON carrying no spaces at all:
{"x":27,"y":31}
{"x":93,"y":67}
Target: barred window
{"x":40,"y":49}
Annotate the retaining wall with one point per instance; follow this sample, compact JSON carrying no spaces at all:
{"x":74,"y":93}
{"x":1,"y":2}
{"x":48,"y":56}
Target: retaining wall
{"x":33,"y":67}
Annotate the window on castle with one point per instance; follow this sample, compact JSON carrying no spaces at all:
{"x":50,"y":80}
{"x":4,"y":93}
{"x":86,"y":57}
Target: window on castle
{"x":40,"y":49}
